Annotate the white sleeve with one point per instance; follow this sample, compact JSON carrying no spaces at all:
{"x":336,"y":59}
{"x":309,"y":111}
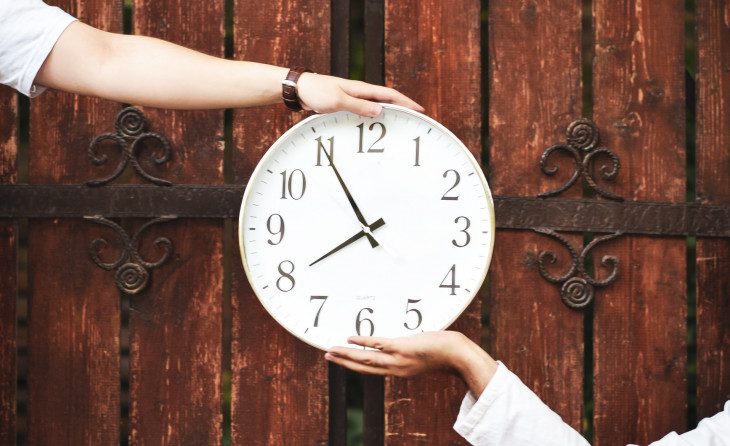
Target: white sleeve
{"x":508,"y":413}
{"x":28,"y":31}
{"x":713,"y":431}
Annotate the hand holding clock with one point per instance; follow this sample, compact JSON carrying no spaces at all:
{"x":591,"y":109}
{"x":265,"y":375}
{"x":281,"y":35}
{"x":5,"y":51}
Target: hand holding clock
{"x":426,"y":352}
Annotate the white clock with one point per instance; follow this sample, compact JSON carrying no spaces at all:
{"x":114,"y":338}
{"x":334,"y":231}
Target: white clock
{"x":366,"y":226}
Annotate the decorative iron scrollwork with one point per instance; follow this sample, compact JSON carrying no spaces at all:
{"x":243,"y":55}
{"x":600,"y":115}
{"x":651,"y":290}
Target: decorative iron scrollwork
{"x":582,"y":143}
{"x":132,"y":271}
{"x":131,"y":127}
{"x":577,"y":286}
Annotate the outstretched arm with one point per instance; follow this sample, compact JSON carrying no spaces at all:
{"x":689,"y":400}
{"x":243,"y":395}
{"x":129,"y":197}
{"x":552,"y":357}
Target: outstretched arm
{"x":421,"y":353}
{"x":148,"y":71}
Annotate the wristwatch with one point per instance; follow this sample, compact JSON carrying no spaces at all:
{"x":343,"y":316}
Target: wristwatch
{"x":289,"y":88}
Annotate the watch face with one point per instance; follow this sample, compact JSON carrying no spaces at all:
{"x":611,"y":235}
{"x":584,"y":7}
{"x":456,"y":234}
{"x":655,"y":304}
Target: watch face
{"x":366,"y":226}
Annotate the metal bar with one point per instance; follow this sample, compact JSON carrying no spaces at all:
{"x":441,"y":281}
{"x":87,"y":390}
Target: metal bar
{"x":340,"y":31}
{"x":632,"y":217}
{"x":374,"y":386}
{"x":338,"y":405}
{"x":137,"y":201}
{"x":374,"y":41}
{"x":339,"y":66}
{"x":373,"y":410}
{"x":203,"y":201}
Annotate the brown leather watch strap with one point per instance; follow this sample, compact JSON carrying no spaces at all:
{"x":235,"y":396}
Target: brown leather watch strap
{"x":289,"y":88}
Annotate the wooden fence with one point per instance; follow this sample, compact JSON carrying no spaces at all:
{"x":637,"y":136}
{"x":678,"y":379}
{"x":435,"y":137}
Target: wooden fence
{"x":648,"y":355}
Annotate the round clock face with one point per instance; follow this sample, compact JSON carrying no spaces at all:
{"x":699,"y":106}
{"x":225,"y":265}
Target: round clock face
{"x":366,"y":226}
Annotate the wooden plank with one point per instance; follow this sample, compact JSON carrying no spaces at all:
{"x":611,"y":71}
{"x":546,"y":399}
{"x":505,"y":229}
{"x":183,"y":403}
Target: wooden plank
{"x":176,"y":324}
{"x":279,"y":383}
{"x":713,"y":187}
{"x":535,"y":92}
{"x":74,"y":313}
{"x":640,"y":321}
{"x":8,"y":267}
{"x":432,"y":54}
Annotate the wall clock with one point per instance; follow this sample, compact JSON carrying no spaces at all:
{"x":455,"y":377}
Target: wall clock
{"x":366,"y":226}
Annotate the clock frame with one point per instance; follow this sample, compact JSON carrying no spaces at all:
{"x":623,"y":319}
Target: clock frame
{"x":366,"y":226}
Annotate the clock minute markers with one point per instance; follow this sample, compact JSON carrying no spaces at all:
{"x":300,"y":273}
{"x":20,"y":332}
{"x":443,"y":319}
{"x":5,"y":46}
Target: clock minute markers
{"x":387,"y":186}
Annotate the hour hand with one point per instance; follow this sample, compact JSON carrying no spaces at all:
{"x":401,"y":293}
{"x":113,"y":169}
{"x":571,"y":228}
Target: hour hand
{"x":365,"y":232}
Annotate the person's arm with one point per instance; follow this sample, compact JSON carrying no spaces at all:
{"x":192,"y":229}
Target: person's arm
{"x":421,"y":353}
{"x":498,"y":410}
{"x":147,"y":71}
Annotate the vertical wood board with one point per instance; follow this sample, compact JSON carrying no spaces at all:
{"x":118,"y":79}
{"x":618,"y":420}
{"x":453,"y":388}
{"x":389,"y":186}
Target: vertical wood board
{"x":280,"y":393}
{"x":8,"y":267}
{"x":713,"y":187}
{"x":73,"y":345}
{"x":535,"y":92}
{"x":176,"y":323}
{"x":639,"y":325}
{"x":432,"y":54}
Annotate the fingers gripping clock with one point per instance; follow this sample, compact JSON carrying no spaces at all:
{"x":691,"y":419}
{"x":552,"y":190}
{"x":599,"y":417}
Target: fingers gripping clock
{"x":366,"y":226}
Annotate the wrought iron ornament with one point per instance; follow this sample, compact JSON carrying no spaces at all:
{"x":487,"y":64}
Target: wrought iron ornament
{"x":132,"y":271}
{"x":131,"y":127}
{"x":577,"y":288}
{"x":582,"y":143}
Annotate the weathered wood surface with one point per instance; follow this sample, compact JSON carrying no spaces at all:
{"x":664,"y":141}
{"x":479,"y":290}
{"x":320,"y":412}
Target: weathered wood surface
{"x":279,"y":382}
{"x":534,"y":93}
{"x":176,"y":323}
{"x":640,"y":353}
{"x":8,"y":271}
{"x":74,"y":311}
{"x":432,"y":55}
{"x":713,"y":187}
{"x":431,"y":52}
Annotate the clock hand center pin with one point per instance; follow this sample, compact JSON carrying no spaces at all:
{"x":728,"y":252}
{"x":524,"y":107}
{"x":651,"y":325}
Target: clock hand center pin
{"x":379,"y":240}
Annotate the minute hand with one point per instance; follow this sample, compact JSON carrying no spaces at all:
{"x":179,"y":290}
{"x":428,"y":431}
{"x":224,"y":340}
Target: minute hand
{"x":358,"y":214}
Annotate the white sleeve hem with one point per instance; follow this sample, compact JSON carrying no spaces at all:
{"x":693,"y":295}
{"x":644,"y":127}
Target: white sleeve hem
{"x":474,"y":410}
{"x":509,"y":413}
{"x":27,"y":85}
{"x":29,"y":30}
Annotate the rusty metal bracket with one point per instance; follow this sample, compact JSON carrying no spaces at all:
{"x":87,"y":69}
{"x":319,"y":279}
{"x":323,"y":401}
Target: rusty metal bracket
{"x":131,"y":136}
{"x":224,"y":202}
{"x":132,"y":274}
{"x":582,"y":143}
